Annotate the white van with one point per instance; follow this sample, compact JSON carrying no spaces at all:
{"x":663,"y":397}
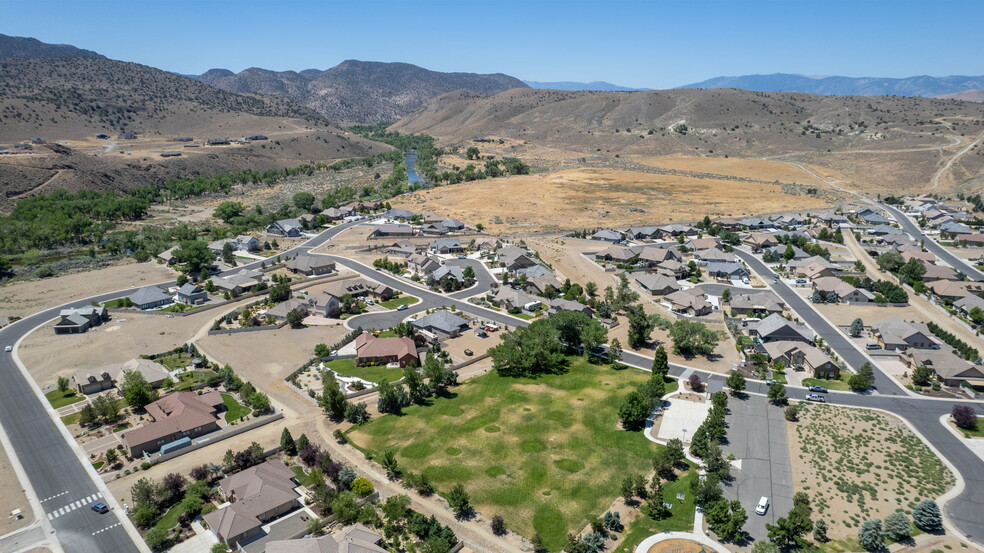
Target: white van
{"x":763,"y":506}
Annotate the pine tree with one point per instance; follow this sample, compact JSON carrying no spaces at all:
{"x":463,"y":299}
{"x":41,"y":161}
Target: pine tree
{"x":871,"y":536}
{"x":287,"y":444}
{"x":927,"y":516}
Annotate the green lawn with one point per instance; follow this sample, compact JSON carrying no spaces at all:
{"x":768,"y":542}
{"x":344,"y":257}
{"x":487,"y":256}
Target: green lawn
{"x":234,"y":409}
{"x":59,"y":399}
{"x":387,"y":334}
{"x":71,"y":419}
{"x":397,"y":302}
{"x":175,"y":361}
{"x":975,"y":433}
{"x":302,"y":477}
{"x":346,"y":367}
{"x":98,"y":465}
{"x":523,"y":316}
{"x":188,"y":380}
{"x":681,"y":519}
{"x":829,"y":384}
{"x":116,"y":303}
{"x":170,"y":518}
{"x":545,"y":454}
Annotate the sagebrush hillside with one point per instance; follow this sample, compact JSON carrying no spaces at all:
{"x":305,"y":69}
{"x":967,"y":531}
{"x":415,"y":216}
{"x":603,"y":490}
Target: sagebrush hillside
{"x":27,"y":47}
{"x":359,"y":91}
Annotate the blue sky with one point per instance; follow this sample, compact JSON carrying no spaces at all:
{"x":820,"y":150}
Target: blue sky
{"x":655,"y":43}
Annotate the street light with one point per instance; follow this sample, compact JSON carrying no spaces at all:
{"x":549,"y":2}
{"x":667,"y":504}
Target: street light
{"x":684,"y":435}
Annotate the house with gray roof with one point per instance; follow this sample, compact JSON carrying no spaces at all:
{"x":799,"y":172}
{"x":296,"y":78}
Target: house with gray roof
{"x":423,"y":264}
{"x":282,"y":309}
{"x":882,"y":230}
{"x":190,"y":294}
{"x":798,"y":355}
{"x":391,"y":229}
{"x":453,"y":272}
{"x":756,"y":304}
{"x":542,"y":282}
{"x":399,"y":214}
{"x":607,"y":235}
{"x":714,"y":254}
{"x":352,"y":539}
{"x":642,"y":233}
{"x":510,"y":298}
{"x":689,"y":301}
{"x":897,"y":334}
{"x":91,"y":381}
{"x":80,"y":319}
{"x":447,"y":246}
{"x":442,"y":323}
{"x":726,"y":270}
{"x":534,"y":271}
{"x":775,"y":327}
{"x":238,"y":282}
{"x":256,"y":496}
{"x":966,"y":304}
{"x":290,"y":228}
{"x":656,"y":284}
{"x":560,"y":304}
{"x":150,"y":297}
{"x":310,"y":265}
{"x":434,"y":229}
{"x":453,"y":225}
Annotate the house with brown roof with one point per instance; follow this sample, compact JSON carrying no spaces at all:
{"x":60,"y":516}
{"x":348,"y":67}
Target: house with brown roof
{"x":397,"y":349}
{"x":657,"y":284}
{"x":353,"y":539}
{"x":175,"y":416}
{"x":617,"y":254}
{"x":797,"y":354}
{"x":814,"y":271}
{"x":650,"y":256}
{"x":80,"y":319}
{"x":91,"y":381}
{"x":845,"y":292}
{"x":283,"y":309}
{"x":757,"y":304}
{"x":691,"y":301}
{"x":759,"y":240}
{"x":954,"y":289}
{"x":695,"y":244}
{"x":256,"y":495}
{"x":897,"y":334}
{"x":913,"y":252}
{"x":947,"y":367}
{"x":393,"y":229}
{"x":937,"y":272}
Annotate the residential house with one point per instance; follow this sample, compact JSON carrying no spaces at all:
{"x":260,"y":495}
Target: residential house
{"x":190,"y":294}
{"x":607,"y":235}
{"x":541,"y":283}
{"x":657,"y":284}
{"x":814,"y":271}
{"x":560,"y":304}
{"x":336,"y":213}
{"x":513,"y":298}
{"x":954,"y":289}
{"x":310,"y":265}
{"x":175,"y":416}
{"x":447,"y":246}
{"x":534,"y":271}
{"x":388,"y":229}
{"x":690,"y":301}
{"x":617,"y":254}
{"x":642,"y":233}
{"x":453,"y":272}
{"x":726,"y":270}
{"x":80,"y":319}
{"x":966,"y":304}
{"x":372,"y":350}
{"x":513,"y":258}
{"x":953,"y":227}
{"x":91,"y":381}
{"x":488,"y":244}
{"x":947,"y":367}
{"x":256,"y":496}
{"x":442,"y":323}
{"x":399,"y":214}
{"x":897,"y":240}
{"x":150,"y":297}
{"x":352,"y":539}
{"x":780,"y":251}
{"x":403,"y":248}
{"x":815,"y":260}
{"x":695,"y":244}
{"x":290,"y":228}
{"x":776,"y":328}
{"x":845,"y":292}
{"x":324,"y":305}
{"x":897,"y":334}
{"x":676,"y":229}
{"x":434,"y":229}
{"x":431,"y":217}
{"x":882,"y":230}
{"x":913,"y":252}
{"x":651,"y":256}
{"x":283,"y":309}
{"x":937,"y":272}
{"x":359,"y":287}
{"x":756,"y":304}
{"x":714,"y":254}
{"x":239,"y":282}
{"x":752,"y":223}
{"x":976,"y":238}
{"x":799,"y":355}
{"x":453,"y":225}
{"x":167,"y":256}
{"x":423,"y":264}
{"x":760,"y":240}
{"x":872,"y":217}
{"x":247,"y":243}
{"x":788,"y":220}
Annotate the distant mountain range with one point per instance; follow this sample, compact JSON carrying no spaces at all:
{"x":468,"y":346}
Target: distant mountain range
{"x":359,"y":91}
{"x":26,"y":47}
{"x":847,"y":86}
{"x":573,"y":85}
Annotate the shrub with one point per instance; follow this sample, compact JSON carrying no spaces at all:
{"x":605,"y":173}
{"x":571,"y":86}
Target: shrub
{"x":792,"y":412}
{"x":498,"y":526}
{"x":964,"y":416}
{"x":362,"y":487}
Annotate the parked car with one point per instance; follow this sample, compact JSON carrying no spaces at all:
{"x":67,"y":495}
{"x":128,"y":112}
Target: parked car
{"x":100,"y":508}
{"x":817,"y":389}
{"x":469,"y":352}
{"x":403,"y":307}
{"x":872,"y":345}
{"x":8,"y":349}
{"x":801,"y":281}
{"x":762,"y":506}
{"x":771,"y":381}
{"x":816,"y":397}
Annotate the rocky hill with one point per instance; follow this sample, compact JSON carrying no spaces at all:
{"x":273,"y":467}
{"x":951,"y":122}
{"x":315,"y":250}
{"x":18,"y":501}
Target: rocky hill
{"x":922,"y":85}
{"x":26,"y":47}
{"x":869,"y":137}
{"x":359,"y":91}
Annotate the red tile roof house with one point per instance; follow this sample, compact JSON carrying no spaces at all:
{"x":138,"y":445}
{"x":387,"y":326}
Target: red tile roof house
{"x":256,"y":495}
{"x":370,"y":349}
{"x":177,"y":415}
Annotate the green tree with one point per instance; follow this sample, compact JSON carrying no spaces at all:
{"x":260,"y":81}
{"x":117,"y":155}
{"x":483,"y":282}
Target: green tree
{"x":439,"y":376}
{"x":890,"y":261}
{"x":591,"y":289}
{"x":468,"y":273}
{"x":976,"y":315}
{"x":691,"y":338}
{"x":332,"y":398}
{"x":661,"y":363}
{"x":295,"y":318}
{"x":897,"y":526}
{"x":736,"y":383}
{"x":535,"y":349}
{"x":615,"y":353}
{"x":459,"y":501}
{"x":227,"y":211}
{"x":136,"y":390}
{"x":345,"y":509}
{"x":927,"y":517}
{"x":820,"y":531}
{"x":777,"y":394}
{"x":322,"y":350}
{"x":88,"y":416}
{"x":871,"y":536}
{"x":260,"y":403}
{"x":227,"y":254}
{"x":857,"y":327}
{"x":195,"y":254}
{"x":634,"y":411}
{"x":220,"y":547}
{"x":472,"y":153}
{"x":287,"y":444}
{"x":912,"y":271}
{"x":863,"y":379}
{"x":414,"y":381}
{"x":792,"y":412}
{"x":641,"y":325}
{"x":922,"y":375}
{"x":788,"y":253}
{"x":63,"y":384}
{"x":279,"y":292}
{"x":304,"y":200}
{"x":157,"y":538}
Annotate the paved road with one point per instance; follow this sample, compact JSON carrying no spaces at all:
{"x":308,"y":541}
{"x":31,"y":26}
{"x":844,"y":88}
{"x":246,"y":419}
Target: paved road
{"x":757,"y":436}
{"x":946,"y":255}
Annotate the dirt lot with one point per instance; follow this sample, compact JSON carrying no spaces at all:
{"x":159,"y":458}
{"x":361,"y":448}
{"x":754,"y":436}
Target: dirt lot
{"x":13,"y":498}
{"x":24,"y":298}
{"x":746,"y":168}
{"x":591,"y":198}
{"x":857,"y":465}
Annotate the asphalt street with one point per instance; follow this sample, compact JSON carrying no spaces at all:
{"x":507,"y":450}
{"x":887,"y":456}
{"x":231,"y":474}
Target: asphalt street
{"x":930,"y":244}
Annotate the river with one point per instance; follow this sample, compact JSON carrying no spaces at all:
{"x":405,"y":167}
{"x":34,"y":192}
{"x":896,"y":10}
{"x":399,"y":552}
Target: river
{"x":412,"y":176}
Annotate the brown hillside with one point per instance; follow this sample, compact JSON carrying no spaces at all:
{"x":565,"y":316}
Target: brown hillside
{"x":883,"y":143}
{"x":965,"y":95}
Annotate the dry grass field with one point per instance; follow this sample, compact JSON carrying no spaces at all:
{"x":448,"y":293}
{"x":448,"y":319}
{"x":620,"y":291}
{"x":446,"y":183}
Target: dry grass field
{"x":756,"y":169}
{"x":858,"y":465}
{"x":592,"y":198}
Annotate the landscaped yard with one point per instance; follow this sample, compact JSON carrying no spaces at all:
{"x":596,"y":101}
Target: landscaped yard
{"x":545,"y":454}
{"x":681,"y":520}
{"x":346,"y":367}
{"x":976,"y":432}
{"x":170,"y":518}
{"x":69,"y":420}
{"x":302,"y":477}
{"x":59,"y":399}
{"x":830,"y":384}
{"x":116,"y":303}
{"x":234,"y":409}
{"x":397,"y":302}
{"x":175,"y":360}
{"x":858,"y":465}
{"x":189,"y":380}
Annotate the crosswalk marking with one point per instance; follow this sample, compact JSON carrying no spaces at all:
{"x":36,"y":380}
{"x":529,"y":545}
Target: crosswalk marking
{"x":54,"y":496}
{"x":55,"y":513}
{"x":110,"y":527}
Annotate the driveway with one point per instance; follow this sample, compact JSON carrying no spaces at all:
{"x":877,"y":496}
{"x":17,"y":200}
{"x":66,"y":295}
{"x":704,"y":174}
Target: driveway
{"x":680,"y":418}
{"x":757,"y":437}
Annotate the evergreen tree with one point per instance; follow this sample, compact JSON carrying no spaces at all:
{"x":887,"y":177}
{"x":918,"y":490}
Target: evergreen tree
{"x":871,"y":536}
{"x":287,"y":444}
{"x":927,"y":516}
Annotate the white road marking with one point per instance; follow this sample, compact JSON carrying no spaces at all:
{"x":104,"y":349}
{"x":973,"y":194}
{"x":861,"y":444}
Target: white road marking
{"x":54,"y":496}
{"x":107,"y":528}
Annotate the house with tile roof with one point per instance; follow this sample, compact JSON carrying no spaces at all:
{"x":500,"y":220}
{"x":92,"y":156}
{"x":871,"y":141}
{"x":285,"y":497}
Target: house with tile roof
{"x":175,"y":416}
{"x":398,"y":349}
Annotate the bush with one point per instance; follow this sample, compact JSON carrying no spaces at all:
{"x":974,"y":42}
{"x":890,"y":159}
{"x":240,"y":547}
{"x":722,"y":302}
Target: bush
{"x":362,"y":487}
{"x":964,"y":416}
{"x":792,"y":412}
{"x":498,"y":526}
{"x":157,"y":538}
